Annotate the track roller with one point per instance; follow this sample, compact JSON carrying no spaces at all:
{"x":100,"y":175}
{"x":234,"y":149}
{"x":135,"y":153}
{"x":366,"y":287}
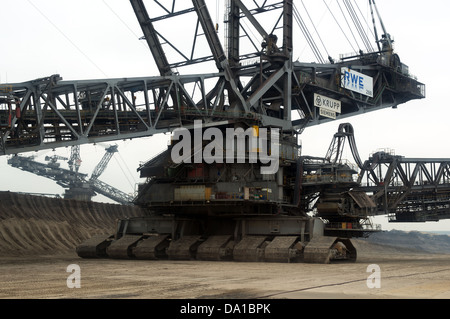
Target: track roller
{"x":283,"y":249}
{"x":95,"y":247}
{"x":216,"y":248}
{"x":324,"y":249}
{"x":184,"y":248}
{"x":122,"y":248}
{"x":153,"y":247}
{"x":250,"y":248}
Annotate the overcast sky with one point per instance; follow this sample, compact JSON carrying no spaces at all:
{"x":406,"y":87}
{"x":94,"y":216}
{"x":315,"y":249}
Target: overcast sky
{"x":89,"y":39}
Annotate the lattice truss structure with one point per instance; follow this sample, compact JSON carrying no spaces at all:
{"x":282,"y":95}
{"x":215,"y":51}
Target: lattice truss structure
{"x":249,"y":76}
{"x":408,"y":189}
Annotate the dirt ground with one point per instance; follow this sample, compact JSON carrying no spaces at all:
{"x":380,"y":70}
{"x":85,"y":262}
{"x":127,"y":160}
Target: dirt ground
{"x":401,"y":276}
{"x":38,"y":237}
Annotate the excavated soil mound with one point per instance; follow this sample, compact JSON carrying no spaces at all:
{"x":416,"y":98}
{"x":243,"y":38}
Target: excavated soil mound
{"x":41,"y":225}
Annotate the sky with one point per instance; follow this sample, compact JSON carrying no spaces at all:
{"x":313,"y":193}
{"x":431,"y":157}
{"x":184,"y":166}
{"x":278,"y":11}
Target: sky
{"x":91,"y":39}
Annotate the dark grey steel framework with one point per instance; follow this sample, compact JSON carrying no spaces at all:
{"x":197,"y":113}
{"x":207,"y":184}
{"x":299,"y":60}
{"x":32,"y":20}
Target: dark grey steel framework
{"x":50,"y":113}
{"x":408,"y":189}
{"x":77,"y":185}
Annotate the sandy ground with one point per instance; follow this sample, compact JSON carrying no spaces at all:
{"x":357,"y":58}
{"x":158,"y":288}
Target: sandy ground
{"x":401,"y":276}
{"x":38,"y":237}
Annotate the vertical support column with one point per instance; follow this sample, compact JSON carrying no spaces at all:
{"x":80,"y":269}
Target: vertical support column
{"x":287,"y":46}
{"x":233,"y":33}
{"x":114,"y":107}
{"x":287,"y":93}
{"x":280,"y":181}
{"x":217,"y":50}
{"x":287,"y":27}
{"x":39,"y":114}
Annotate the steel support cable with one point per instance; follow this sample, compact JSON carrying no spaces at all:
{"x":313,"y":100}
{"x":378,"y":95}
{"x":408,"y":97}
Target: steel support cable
{"x":355,"y":22}
{"x":339,"y":25}
{"x":307,"y":35}
{"x":248,"y":31}
{"x":126,"y":166}
{"x":365,"y":20}
{"x":123,"y":22}
{"x":317,"y":32}
{"x":348,"y":25}
{"x":364,"y":32}
{"x":124,"y":174}
{"x":217,"y":15}
{"x":358,"y":25}
{"x":67,"y":38}
{"x":305,"y":32}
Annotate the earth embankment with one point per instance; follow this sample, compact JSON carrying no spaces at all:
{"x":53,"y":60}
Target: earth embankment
{"x":41,"y":225}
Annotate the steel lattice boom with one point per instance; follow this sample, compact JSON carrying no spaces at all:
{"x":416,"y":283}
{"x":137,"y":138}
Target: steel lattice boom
{"x":265,"y":87}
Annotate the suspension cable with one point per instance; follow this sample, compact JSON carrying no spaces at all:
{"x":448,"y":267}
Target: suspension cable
{"x":358,"y":25}
{"x":339,"y":25}
{"x":365,"y":20}
{"x":123,"y":171}
{"x":355,"y":21}
{"x":307,"y":35}
{"x":348,"y":25}
{"x":312,"y":22}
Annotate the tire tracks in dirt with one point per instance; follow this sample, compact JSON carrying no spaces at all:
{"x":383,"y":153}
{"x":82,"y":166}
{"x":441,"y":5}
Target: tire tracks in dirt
{"x":348,"y":282}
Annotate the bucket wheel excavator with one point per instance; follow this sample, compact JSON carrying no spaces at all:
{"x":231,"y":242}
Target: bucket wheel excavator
{"x":77,"y":185}
{"x":233,"y":183}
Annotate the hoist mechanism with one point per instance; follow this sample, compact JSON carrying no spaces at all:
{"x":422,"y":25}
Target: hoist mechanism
{"x":248,"y":196}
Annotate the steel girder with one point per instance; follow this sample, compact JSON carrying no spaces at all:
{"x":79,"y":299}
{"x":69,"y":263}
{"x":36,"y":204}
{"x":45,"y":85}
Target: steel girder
{"x":53,"y":113}
{"x":391,"y":88}
{"x":67,"y":113}
{"x":408,"y":189}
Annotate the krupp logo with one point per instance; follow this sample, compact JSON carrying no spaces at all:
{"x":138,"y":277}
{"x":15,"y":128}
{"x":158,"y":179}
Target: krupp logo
{"x":235,"y":139}
{"x":318,"y":101}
